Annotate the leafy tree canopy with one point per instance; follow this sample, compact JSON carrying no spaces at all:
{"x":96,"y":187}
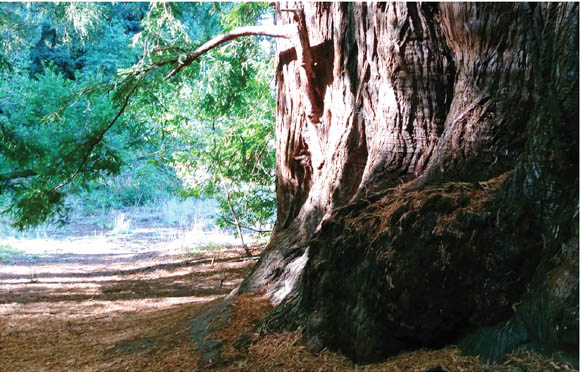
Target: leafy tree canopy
{"x":84,"y":97}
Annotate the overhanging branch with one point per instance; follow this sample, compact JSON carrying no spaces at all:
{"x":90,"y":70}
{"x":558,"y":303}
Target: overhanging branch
{"x":99,"y":138}
{"x":286,"y":31}
{"x":271,"y":31}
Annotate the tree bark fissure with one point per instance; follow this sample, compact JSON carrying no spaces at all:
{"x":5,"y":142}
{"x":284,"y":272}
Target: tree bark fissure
{"x":306,"y":65}
{"x":434,"y":198}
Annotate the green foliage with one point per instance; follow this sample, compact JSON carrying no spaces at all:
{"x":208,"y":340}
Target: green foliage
{"x":112,"y":46}
{"x":36,"y":136}
{"x":220,"y":114}
{"x":85,"y":19}
{"x":139,"y":184}
{"x":228,"y":128}
{"x":15,"y":35}
{"x":242,"y":14}
{"x":48,"y":121}
{"x":84,"y":108}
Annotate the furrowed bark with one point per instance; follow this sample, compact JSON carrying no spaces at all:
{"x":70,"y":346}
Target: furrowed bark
{"x":434,"y":200}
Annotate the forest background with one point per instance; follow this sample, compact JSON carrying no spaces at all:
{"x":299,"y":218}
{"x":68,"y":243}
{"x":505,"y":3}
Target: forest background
{"x":90,"y":127}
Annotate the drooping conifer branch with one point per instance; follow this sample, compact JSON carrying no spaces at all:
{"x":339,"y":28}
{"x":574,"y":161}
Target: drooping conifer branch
{"x":271,"y":31}
{"x":93,"y":143}
{"x":287,"y":31}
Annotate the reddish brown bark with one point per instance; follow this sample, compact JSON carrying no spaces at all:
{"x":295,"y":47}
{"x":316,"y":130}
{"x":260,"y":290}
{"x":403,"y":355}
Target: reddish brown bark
{"x":427,"y":177}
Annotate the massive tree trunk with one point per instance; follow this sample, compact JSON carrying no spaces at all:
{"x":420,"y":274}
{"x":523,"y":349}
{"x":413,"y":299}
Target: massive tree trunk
{"x":427,"y":178}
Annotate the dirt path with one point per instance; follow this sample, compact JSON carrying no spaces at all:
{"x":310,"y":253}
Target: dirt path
{"x":115,"y":311}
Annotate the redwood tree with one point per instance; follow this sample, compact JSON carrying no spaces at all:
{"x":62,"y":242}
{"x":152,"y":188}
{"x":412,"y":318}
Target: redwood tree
{"x":427,"y":178}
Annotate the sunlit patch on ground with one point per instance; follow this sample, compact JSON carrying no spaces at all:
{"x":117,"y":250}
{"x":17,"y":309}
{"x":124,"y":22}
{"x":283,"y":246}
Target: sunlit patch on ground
{"x":99,"y":302}
{"x":139,"y":240}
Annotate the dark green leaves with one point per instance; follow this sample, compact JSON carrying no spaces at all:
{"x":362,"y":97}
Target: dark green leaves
{"x":35,"y":206}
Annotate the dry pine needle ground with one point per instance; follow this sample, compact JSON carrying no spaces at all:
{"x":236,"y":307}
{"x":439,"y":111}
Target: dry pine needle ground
{"x":137,"y":318}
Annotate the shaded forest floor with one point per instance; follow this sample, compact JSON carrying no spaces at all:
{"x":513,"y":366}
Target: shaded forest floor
{"x":133,"y":312}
